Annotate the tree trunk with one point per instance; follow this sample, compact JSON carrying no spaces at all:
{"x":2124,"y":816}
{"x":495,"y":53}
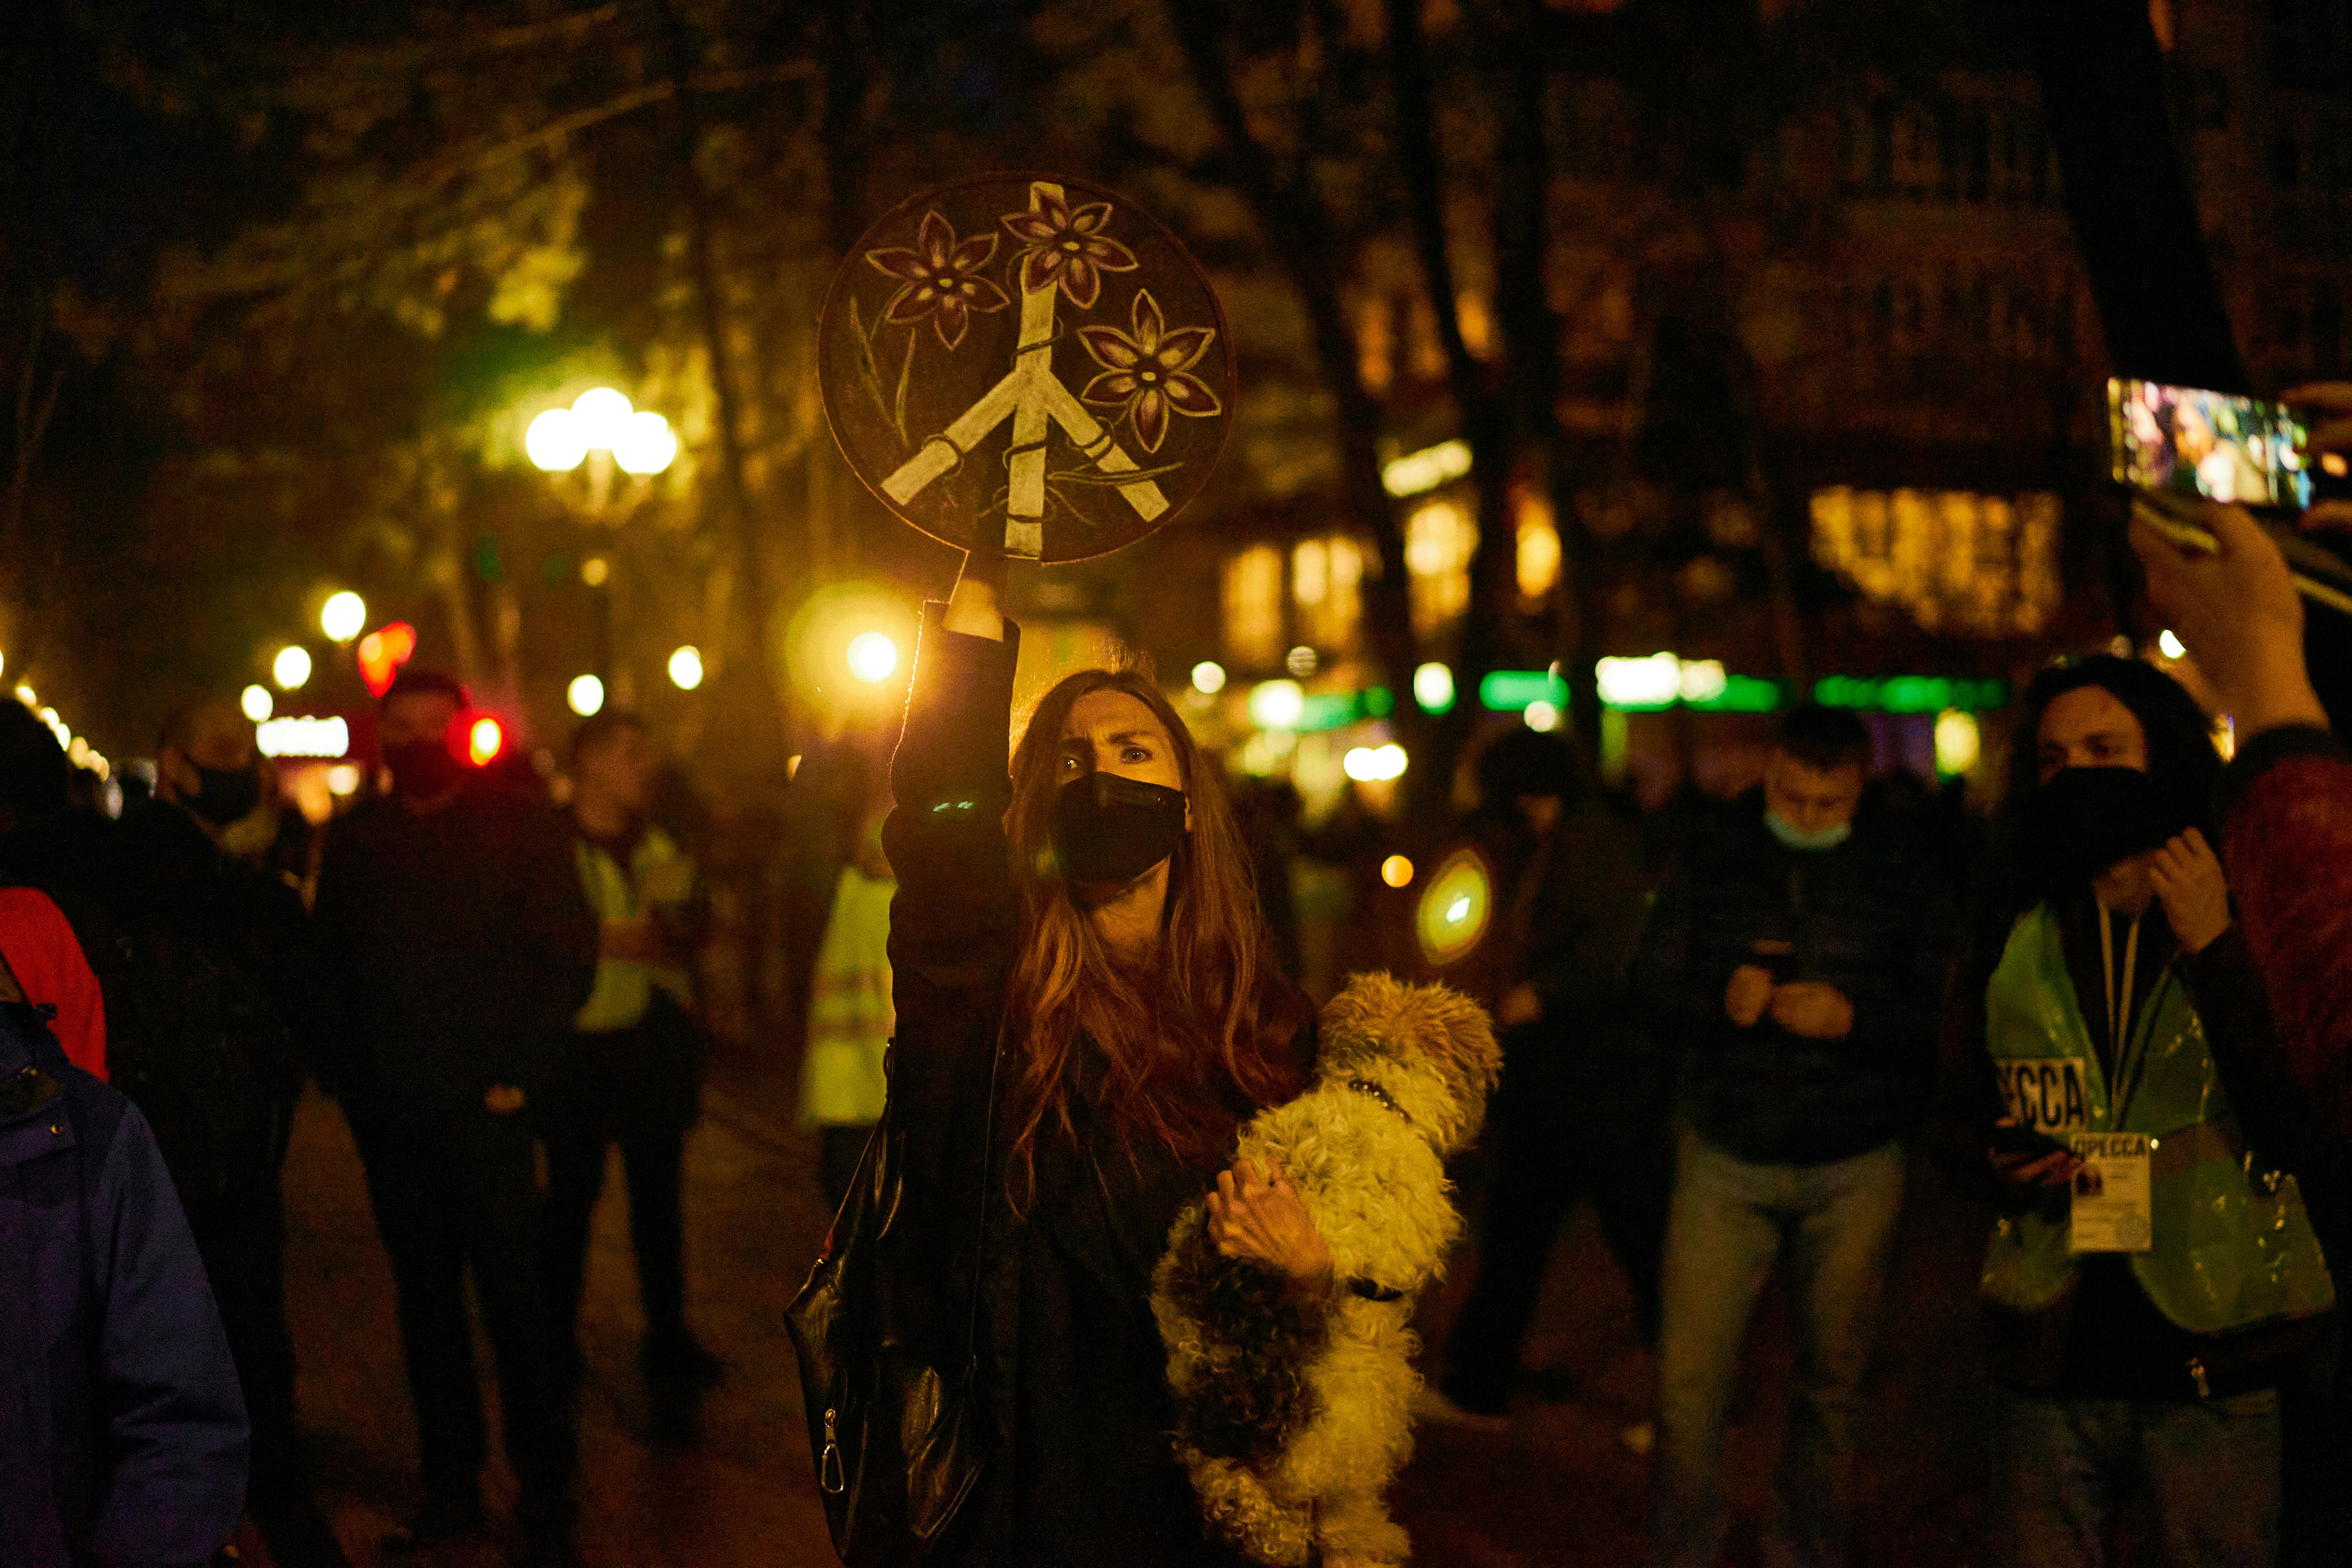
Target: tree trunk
{"x":747,"y":675}
{"x":1298,"y":229}
{"x":1488,"y":422}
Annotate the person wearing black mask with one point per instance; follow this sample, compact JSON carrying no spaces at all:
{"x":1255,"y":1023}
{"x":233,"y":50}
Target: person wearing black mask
{"x":1090,"y":917}
{"x":457,"y":947}
{"x":212,"y":1001}
{"x":2154,"y":1275}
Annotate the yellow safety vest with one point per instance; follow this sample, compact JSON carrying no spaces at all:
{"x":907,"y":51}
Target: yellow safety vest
{"x":2232,"y":1245}
{"x":624,"y":987}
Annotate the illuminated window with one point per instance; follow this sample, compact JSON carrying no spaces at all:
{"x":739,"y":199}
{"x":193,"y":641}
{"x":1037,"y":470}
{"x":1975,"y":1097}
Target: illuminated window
{"x":1252,"y":603}
{"x":1957,"y":562}
{"x":1326,"y":575}
{"x":1438,"y":540}
{"x":1538,"y":561}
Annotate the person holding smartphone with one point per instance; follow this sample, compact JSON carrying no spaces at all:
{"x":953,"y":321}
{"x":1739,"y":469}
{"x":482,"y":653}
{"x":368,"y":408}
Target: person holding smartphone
{"x":1796,"y":959}
{"x":2153,"y":1275}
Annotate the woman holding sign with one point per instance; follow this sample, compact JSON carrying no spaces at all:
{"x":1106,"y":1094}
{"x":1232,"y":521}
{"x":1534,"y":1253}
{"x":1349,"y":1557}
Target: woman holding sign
{"x":2154,"y":1275}
{"x":1090,"y":922}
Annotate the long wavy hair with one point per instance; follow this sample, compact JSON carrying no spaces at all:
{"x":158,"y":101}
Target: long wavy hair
{"x":1207,"y":1014}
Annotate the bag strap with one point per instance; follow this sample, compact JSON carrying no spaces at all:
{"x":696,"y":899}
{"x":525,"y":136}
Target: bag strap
{"x":979,"y":1229}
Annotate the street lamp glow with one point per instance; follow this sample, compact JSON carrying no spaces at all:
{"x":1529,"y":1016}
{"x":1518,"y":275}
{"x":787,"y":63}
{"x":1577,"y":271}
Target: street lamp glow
{"x":1432,"y":688}
{"x":1208,"y":678}
{"x":645,"y":445}
{"x":686,"y":668}
{"x":584,"y":696}
{"x":601,"y":415}
{"x":291,"y":668}
{"x":872,"y":656}
{"x":1277,"y":705}
{"x":556,"y":441}
{"x":344,"y":618}
{"x":256,"y":703}
{"x":1957,"y":742}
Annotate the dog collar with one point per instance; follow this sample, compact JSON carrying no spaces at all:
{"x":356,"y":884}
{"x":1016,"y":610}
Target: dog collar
{"x":1366,"y":1086}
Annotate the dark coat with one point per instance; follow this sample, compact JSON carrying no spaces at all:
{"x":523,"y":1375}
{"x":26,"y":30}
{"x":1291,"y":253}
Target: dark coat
{"x":458,"y":945}
{"x":122,"y":1436}
{"x":1082,"y":1469}
{"x":1869,"y":918}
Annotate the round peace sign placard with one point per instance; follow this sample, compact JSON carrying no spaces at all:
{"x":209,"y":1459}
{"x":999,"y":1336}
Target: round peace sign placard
{"x":1028,"y":355}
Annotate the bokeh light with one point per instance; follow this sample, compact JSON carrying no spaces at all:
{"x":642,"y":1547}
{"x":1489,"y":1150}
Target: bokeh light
{"x":256,"y":702}
{"x":1396,"y":871}
{"x":584,"y":696}
{"x":344,"y":616}
{"x":291,"y":668}
{"x":485,"y":740}
{"x":646,"y":444}
{"x":556,"y":442}
{"x":594,"y":570}
{"x":1277,"y":705}
{"x":1208,"y":678}
{"x":1958,"y":742}
{"x":1432,"y":688}
{"x":686,"y":668}
{"x":602,"y":417}
{"x":872,"y":656}
{"x":1455,"y":909}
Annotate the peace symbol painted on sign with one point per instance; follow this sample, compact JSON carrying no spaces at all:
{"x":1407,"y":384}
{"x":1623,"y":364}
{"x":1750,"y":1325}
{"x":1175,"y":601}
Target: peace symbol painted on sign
{"x":1028,"y":354}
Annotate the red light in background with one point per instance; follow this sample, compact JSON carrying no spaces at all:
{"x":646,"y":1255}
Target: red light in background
{"x":382,"y":652}
{"x":485,"y":740}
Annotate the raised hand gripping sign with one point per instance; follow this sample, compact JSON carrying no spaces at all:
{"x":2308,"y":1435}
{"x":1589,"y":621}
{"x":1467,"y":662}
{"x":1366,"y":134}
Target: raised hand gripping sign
{"x":1031,"y":356}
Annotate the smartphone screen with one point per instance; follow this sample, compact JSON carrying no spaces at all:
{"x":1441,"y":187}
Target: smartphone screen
{"x":2212,"y":444}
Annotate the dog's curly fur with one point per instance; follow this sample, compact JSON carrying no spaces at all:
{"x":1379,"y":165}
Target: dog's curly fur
{"x":1292,"y":1409}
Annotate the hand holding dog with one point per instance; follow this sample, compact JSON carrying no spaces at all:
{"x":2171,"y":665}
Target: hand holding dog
{"x":1259,"y":1215}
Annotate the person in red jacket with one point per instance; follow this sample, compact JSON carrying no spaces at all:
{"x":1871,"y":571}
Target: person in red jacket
{"x":2287,"y":832}
{"x":39,"y":946}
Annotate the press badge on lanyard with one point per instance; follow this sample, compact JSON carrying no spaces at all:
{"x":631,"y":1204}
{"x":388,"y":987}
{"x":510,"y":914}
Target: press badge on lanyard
{"x":2113,"y":1206}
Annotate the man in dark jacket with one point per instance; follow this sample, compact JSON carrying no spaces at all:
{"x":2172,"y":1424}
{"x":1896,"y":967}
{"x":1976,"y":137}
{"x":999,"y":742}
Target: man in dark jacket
{"x":1581,"y":1107}
{"x":213,"y":992}
{"x":458,"y":945}
{"x":1797,"y":959}
{"x":122,"y":1439}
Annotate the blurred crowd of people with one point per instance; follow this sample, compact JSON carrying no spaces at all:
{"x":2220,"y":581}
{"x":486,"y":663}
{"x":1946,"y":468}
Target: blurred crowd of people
{"x":2123,"y":1027}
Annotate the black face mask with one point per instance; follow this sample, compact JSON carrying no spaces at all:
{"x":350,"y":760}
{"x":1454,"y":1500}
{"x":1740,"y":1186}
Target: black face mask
{"x":2086,"y":820}
{"x":422,"y":769}
{"x":226,"y":794}
{"x":1107,"y":828}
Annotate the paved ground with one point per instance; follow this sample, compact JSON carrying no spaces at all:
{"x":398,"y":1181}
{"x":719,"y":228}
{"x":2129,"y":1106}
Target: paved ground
{"x":1558,"y":1487}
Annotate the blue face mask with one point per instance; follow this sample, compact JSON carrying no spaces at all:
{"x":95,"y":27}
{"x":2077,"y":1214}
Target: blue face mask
{"x":1814,"y":840}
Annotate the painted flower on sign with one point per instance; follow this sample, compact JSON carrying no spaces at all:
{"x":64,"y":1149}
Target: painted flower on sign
{"x":941,"y":279}
{"x":1148,"y":373}
{"x":1066,"y":245}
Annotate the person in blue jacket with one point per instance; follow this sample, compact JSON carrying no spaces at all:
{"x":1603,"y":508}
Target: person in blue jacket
{"x":123,"y":1435}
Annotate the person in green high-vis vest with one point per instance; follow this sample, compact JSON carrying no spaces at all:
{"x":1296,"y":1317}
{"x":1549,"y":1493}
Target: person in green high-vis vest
{"x":2153,"y":1277}
{"x":632,"y":1073}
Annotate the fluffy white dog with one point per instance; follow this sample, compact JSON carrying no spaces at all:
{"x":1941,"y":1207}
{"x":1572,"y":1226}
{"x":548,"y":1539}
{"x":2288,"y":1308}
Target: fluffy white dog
{"x":1294,"y":1407}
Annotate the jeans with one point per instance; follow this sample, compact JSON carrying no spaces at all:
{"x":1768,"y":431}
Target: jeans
{"x":1834,"y":1227}
{"x":2058,"y":1462}
{"x":454,"y":1195}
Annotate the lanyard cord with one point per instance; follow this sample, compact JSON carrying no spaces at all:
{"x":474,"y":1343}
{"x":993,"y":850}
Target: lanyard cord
{"x":2119,"y":1003}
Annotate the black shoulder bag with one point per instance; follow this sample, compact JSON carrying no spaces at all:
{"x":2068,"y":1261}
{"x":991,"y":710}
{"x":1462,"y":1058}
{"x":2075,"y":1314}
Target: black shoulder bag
{"x":897,"y":1440}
